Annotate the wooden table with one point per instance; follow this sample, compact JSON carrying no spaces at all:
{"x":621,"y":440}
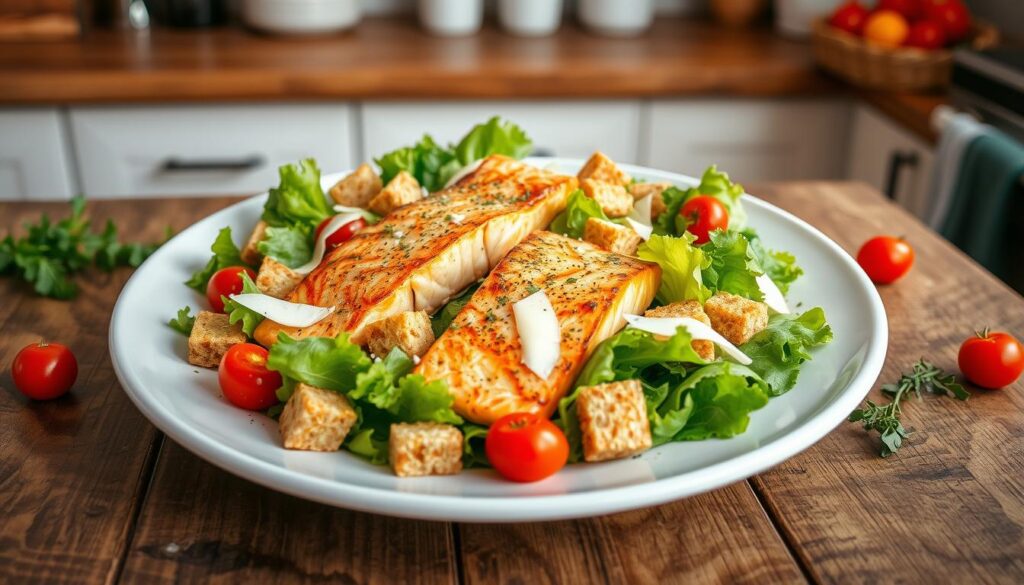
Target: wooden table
{"x":90,"y":492}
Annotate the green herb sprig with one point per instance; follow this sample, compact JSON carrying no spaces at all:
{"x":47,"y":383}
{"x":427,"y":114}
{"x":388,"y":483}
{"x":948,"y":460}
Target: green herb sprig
{"x":885,"y":418}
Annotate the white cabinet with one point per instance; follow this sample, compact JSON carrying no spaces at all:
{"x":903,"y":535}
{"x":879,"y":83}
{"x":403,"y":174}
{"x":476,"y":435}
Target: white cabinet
{"x":558,"y":128}
{"x":182,"y":150}
{"x":752,"y":140}
{"x":889,"y":158}
{"x":34,"y":155}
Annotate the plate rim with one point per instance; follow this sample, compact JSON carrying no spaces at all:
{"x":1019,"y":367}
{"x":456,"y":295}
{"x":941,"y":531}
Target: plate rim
{"x":595,"y":502}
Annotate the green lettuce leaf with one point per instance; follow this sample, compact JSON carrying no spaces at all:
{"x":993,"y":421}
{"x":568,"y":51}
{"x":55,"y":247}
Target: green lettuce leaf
{"x":183,"y":322}
{"x":779,"y":350}
{"x":713,"y":183}
{"x":225,"y":254}
{"x":681,"y":265}
{"x":288,"y":245}
{"x":298,"y":200}
{"x":442,"y":319}
{"x":473,"y":437}
{"x":571,"y":221}
{"x":236,"y":312}
{"x":731,"y":266}
{"x":718,"y":400}
{"x":365,"y":444}
{"x":493,"y":137}
{"x":369,"y":217}
{"x":318,"y":361}
{"x":779,"y":266}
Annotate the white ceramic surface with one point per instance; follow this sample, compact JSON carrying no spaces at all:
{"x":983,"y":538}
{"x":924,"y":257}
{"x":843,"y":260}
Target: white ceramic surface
{"x":530,"y":18}
{"x":622,"y":18}
{"x":301,"y":17}
{"x":185,"y":403}
{"x":451,"y":18}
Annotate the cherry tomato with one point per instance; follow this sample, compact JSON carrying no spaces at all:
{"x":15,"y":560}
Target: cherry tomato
{"x":245,"y":379}
{"x":704,"y":215}
{"x":342,"y":234}
{"x":850,"y":17}
{"x":885,"y":259}
{"x":225,"y":282}
{"x":991,"y":360}
{"x":910,"y":9}
{"x":886,"y":28}
{"x":526,"y":447}
{"x":926,"y":34}
{"x":43,"y":371}
{"x":952,"y":15}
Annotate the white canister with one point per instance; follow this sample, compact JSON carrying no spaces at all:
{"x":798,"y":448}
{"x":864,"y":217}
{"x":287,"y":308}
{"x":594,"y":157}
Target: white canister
{"x":451,"y":18}
{"x":620,"y":18}
{"x":530,"y":18}
{"x":794,"y":17}
{"x":301,"y":16}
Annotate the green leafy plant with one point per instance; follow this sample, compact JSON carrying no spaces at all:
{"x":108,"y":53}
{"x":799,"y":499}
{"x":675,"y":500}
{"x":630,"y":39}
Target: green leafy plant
{"x":225,"y":254}
{"x":236,"y":312}
{"x":183,"y":322}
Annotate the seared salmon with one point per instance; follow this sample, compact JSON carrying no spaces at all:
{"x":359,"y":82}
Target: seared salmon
{"x":422,"y":254}
{"x":480,"y":355}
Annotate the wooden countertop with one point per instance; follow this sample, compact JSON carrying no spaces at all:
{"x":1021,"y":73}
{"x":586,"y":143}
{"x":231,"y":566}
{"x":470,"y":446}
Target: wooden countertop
{"x":92,"y":493}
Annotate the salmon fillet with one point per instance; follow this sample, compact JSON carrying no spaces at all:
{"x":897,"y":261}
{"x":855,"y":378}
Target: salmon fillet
{"x":480,"y":354}
{"x":422,"y":254}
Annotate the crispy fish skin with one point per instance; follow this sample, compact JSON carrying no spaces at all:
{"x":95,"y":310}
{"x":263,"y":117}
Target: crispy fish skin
{"x":422,"y":254}
{"x":480,"y":354}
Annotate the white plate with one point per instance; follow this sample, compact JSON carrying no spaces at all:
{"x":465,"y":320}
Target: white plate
{"x":185,"y":402}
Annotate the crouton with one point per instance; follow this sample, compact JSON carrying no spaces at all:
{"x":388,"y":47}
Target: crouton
{"x":251,"y":253}
{"x":613,"y":420}
{"x":736,"y":318}
{"x":211,"y":337}
{"x":611,"y":236}
{"x":315,"y":419}
{"x":357,"y":188}
{"x":704,"y":348}
{"x":402,"y":190}
{"x":276,"y":279}
{"x":425,"y":449}
{"x":614,"y":200}
{"x":601,"y":168}
{"x":641,"y":190}
{"x":409,"y":331}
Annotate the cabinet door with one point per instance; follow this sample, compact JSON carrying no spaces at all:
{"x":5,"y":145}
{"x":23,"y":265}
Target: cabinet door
{"x":889,"y":159}
{"x":752,"y":140}
{"x":570,"y":129}
{"x":184,"y":150}
{"x":34,"y":161}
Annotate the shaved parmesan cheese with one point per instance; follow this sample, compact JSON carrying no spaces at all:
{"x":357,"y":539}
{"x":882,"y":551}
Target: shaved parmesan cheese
{"x":281,"y":311}
{"x":644,"y":231}
{"x":641,"y":211}
{"x":463,"y":172}
{"x":667,"y":326}
{"x":370,"y":217}
{"x":539,"y":333}
{"x":772,"y":295}
{"x":321,"y":242}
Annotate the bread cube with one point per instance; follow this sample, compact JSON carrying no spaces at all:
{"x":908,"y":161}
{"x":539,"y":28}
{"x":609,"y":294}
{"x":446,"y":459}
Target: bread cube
{"x":614,"y":200}
{"x":735,"y":317}
{"x":704,"y":348}
{"x":613,"y":420}
{"x":251,"y":253}
{"x":425,"y":449}
{"x":601,"y":168}
{"x":211,"y":338}
{"x":611,"y":236}
{"x":402,"y":190}
{"x":409,"y":331}
{"x":357,"y":188}
{"x":315,"y":419}
{"x":276,"y":279}
{"x":641,"y":190}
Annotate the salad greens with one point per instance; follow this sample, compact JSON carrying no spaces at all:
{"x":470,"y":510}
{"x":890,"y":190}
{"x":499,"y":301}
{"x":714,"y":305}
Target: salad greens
{"x":290,"y":246}
{"x":779,"y":350}
{"x":183,"y":322}
{"x":225,"y":254}
{"x":442,"y":319}
{"x":713,"y":184}
{"x":236,"y":312}
{"x":682,"y":265}
{"x":298,"y":201}
{"x":578,"y":210}
{"x":779,"y":266}
{"x":731,"y":265}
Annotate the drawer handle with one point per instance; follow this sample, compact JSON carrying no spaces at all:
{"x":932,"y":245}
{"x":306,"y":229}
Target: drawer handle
{"x":173,"y":165}
{"x":897,"y":162}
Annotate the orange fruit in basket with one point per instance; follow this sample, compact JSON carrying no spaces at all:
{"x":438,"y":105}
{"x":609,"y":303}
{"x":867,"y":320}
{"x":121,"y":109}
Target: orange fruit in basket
{"x":886,"y":28}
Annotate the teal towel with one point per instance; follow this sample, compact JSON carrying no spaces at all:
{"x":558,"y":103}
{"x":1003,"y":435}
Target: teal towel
{"x":987,"y":194}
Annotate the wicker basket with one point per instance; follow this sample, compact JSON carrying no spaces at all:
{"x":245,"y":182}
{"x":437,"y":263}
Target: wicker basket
{"x":902,"y":69}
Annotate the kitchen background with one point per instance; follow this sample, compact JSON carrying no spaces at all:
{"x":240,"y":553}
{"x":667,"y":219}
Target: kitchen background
{"x":127,"y":98}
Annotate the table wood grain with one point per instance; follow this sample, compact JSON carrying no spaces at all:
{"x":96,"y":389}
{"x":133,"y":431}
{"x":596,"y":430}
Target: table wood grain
{"x":91,"y":493}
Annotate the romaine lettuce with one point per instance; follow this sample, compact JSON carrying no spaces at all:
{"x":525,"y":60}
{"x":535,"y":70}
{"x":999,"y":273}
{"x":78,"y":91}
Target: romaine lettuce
{"x":571,"y":221}
{"x":731,"y":265}
{"x":298,"y":201}
{"x":442,"y":319}
{"x":681,"y":264}
{"x":779,"y":350}
{"x":712,"y":183}
{"x":717,"y":400}
{"x":288,"y":245}
{"x":225,"y":254}
{"x":236,"y":312}
{"x":779,"y":266}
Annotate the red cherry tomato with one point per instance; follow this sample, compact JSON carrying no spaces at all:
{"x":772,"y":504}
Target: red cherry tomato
{"x":953,"y":16}
{"x":926,"y":34}
{"x":704,"y":215}
{"x":991,"y":360}
{"x":225,"y":282}
{"x":342,"y":234}
{"x":850,"y":17}
{"x":526,"y":447}
{"x":886,"y":259}
{"x":245,"y":379}
{"x":43,"y":371}
{"x":910,"y":9}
